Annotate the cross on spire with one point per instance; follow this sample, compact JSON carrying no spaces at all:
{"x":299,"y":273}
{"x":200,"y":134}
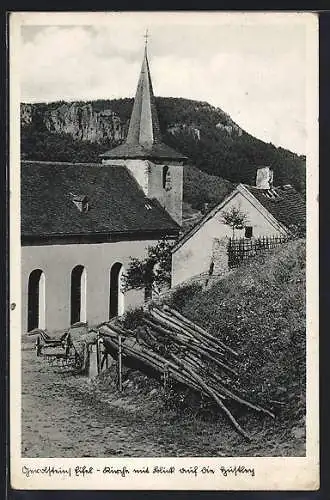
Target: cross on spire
{"x":146,"y":36}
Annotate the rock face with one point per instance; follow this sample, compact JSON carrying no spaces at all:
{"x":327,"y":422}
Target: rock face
{"x":80,"y":121}
{"x":83,"y":123}
{"x":232,"y":128}
{"x":179,"y":128}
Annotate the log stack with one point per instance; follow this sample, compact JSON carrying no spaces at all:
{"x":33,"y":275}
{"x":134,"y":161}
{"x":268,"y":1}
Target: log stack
{"x":169,"y":345}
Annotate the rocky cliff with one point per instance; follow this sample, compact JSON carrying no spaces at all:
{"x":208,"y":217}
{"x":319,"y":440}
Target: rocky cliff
{"x":78,"y":120}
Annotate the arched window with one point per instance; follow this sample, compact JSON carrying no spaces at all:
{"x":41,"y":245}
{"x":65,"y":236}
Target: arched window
{"x":116,"y":295}
{"x":78,"y":294}
{"x":165,"y":175}
{"x":36,"y":300}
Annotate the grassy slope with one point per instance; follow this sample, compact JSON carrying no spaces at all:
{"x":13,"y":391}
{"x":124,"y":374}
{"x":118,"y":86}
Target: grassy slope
{"x":259,"y":310}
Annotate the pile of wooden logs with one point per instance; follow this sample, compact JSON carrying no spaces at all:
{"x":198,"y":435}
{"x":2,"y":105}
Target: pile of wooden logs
{"x":170,"y":346}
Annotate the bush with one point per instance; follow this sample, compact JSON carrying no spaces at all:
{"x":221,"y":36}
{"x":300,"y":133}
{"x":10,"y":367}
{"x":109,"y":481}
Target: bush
{"x":133,"y":318}
{"x":153,"y":270}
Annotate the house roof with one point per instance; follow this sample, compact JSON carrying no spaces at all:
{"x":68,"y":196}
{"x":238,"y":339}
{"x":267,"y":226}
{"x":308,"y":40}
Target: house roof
{"x":283,"y":205}
{"x":144,"y":138}
{"x":116,"y":203}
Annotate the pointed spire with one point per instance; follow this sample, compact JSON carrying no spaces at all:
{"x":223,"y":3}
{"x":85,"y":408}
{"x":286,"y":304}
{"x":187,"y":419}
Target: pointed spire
{"x":144,"y":138}
{"x":144,"y":125}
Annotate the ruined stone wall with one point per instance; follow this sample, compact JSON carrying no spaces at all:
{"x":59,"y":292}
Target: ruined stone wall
{"x":219,"y":257}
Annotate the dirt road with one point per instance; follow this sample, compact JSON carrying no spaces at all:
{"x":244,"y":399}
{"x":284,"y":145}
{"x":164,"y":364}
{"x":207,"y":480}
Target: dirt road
{"x":69,"y":416}
{"x":63,"y":418}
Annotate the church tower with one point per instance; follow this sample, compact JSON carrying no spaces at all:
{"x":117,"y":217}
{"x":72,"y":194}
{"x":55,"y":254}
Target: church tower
{"x":156,"y":167}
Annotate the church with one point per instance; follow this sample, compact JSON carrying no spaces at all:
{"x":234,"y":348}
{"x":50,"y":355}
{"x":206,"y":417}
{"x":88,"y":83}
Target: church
{"x":81,"y":223}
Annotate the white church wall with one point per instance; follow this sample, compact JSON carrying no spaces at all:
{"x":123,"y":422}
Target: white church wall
{"x":57,"y":262}
{"x":193,"y":257}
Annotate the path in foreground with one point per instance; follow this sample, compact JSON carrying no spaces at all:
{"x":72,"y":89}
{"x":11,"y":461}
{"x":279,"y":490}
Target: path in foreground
{"x":65,"y":416}
{"x":61,"y":418}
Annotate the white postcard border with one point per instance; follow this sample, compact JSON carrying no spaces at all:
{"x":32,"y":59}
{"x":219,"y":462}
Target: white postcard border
{"x":280,"y":473}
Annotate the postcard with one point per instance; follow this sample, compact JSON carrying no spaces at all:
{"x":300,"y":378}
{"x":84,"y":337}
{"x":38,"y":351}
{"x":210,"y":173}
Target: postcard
{"x":164,"y":251}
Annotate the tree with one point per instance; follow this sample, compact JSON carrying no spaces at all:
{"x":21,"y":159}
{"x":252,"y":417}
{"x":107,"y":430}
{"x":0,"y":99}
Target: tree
{"x":235,"y":218}
{"x":153,"y":272}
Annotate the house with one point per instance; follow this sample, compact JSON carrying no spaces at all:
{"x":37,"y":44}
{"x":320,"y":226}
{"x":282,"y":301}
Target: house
{"x":81,"y":223}
{"x":270,"y":212}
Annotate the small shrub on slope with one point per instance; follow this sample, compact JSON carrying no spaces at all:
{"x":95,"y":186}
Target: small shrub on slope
{"x":182,"y":295}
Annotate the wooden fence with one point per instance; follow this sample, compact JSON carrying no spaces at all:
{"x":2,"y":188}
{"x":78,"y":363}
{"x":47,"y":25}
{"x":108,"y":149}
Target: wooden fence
{"x":241,"y":249}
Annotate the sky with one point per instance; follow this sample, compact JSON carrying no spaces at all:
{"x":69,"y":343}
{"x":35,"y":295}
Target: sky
{"x":255,"y":72}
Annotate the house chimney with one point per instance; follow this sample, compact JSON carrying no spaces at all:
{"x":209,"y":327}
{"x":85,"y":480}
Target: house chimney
{"x":264,"y":178}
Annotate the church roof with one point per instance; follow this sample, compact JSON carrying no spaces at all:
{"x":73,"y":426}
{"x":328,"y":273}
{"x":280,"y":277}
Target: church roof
{"x":116,"y":203}
{"x":144,"y":138}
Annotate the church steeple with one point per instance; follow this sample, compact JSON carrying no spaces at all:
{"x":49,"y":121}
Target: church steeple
{"x":144,"y":140}
{"x":144,"y":125}
{"x":155,"y":166}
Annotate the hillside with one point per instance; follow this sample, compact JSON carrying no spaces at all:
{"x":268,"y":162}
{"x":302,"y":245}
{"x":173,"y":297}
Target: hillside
{"x":213,"y":142}
{"x":203,"y":190}
{"x":259,"y":310}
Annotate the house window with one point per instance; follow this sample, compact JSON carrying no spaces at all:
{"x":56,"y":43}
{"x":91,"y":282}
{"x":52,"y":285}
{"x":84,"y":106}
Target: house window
{"x":248,"y":231}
